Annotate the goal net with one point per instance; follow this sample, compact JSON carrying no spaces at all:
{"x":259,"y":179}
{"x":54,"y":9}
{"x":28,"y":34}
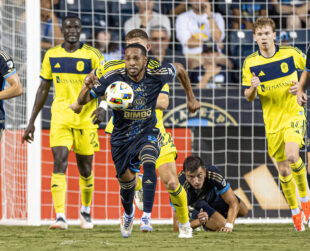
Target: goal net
{"x":227,"y":131}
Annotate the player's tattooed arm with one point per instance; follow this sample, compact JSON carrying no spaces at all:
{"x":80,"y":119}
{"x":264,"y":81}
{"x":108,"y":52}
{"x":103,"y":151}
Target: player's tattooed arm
{"x":85,"y":95}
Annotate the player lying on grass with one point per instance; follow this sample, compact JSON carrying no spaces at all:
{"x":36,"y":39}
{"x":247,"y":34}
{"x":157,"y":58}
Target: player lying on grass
{"x":135,"y":139}
{"x":211,"y":201}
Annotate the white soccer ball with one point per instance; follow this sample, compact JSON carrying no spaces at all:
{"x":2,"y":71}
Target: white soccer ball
{"x":119,"y":95}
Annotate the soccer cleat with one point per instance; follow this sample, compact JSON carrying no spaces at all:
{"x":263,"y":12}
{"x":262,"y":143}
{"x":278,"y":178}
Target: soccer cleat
{"x":298,"y":222}
{"x":185,"y":231}
{"x":306,"y":209}
{"x":127,"y":224}
{"x":86,"y":221}
{"x":60,"y":223}
{"x":139,"y":196}
{"x":145,"y":225}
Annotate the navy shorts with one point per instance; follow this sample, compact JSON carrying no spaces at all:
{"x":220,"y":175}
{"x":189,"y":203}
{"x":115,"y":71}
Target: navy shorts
{"x":127,"y":155}
{"x":217,"y":205}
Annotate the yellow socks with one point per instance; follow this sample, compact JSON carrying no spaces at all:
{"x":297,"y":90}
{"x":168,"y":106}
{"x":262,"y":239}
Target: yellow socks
{"x":299,"y":174}
{"x":288,"y":187}
{"x":87,"y":188}
{"x":58,"y":188}
{"x":178,"y":199}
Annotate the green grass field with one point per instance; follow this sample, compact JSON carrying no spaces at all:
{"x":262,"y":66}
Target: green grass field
{"x":245,"y":237}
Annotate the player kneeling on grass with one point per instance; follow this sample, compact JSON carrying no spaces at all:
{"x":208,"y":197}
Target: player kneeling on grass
{"x":211,"y":201}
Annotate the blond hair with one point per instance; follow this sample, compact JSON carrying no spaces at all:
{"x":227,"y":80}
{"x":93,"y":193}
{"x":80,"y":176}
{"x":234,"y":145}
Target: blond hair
{"x":264,"y":21}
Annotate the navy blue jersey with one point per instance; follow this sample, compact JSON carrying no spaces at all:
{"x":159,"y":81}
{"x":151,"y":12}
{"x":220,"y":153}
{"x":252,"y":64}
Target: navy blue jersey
{"x":307,"y":68}
{"x":140,"y":116}
{"x":215,"y":184}
{"x":7,"y":68}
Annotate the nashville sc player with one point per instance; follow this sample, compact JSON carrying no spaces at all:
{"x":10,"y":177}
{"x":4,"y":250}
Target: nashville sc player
{"x":165,"y":163}
{"x":66,"y":66}
{"x":271,"y":73}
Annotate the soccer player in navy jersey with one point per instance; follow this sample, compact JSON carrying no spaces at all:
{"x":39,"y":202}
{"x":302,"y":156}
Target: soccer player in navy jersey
{"x":135,"y":138}
{"x":7,"y":74}
{"x":212,"y":203}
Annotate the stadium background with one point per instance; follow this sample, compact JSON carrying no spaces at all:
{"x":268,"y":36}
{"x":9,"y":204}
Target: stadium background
{"x":227,"y":131}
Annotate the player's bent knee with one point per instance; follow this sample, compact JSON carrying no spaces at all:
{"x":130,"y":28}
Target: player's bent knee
{"x":292,"y":157}
{"x":171,"y":184}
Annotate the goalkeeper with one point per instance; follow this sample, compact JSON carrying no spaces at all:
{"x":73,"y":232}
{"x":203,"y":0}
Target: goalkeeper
{"x":66,"y":65}
{"x":211,"y":201}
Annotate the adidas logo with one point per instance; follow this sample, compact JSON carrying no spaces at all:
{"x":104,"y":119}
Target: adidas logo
{"x":139,"y":89}
{"x":57,"y":65}
{"x":148,"y":182}
{"x":261,"y":74}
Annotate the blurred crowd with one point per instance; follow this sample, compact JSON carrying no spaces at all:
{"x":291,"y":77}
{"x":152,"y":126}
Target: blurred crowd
{"x":210,"y":38}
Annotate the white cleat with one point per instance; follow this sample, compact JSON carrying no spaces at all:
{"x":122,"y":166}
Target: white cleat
{"x":139,"y":196}
{"x":127,"y":224}
{"x":185,"y":231}
{"x":86,"y":221}
{"x":145,"y":225}
{"x":60,"y":223}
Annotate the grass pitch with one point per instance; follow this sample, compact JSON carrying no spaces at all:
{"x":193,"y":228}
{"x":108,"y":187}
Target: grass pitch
{"x":245,"y":237}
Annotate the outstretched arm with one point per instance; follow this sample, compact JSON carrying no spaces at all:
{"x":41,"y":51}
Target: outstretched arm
{"x":15,"y":88}
{"x":41,"y":96}
{"x":192,"y":103}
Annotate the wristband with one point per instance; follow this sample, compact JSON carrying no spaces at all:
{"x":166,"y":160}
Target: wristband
{"x":103,"y":104}
{"x":229,"y":225}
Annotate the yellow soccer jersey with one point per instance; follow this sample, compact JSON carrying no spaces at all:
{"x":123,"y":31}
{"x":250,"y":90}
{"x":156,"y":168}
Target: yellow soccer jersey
{"x":67,"y":71}
{"x":276,"y":75}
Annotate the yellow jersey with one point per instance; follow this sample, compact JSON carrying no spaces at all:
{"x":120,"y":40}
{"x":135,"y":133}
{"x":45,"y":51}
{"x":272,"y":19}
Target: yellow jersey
{"x":276,"y":75}
{"x":117,"y":64}
{"x":67,"y":71}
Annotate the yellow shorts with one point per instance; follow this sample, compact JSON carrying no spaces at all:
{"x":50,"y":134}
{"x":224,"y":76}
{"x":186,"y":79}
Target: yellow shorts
{"x":293,"y":132}
{"x":168,"y":152}
{"x":84,"y":141}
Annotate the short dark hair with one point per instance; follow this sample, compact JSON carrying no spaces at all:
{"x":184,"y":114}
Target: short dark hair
{"x":136,"y":33}
{"x":69,"y":16}
{"x":139,"y":46}
{"x":192,"y":163}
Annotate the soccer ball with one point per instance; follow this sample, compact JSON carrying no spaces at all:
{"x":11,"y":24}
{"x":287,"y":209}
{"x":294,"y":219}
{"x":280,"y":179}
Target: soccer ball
{"x":119,"y":95}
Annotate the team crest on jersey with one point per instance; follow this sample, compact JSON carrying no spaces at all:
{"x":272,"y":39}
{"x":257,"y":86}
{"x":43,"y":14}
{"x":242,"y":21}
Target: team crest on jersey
{"x":284,"y":67}
{"x":10,"y":64}
{"x":80,"y":65}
